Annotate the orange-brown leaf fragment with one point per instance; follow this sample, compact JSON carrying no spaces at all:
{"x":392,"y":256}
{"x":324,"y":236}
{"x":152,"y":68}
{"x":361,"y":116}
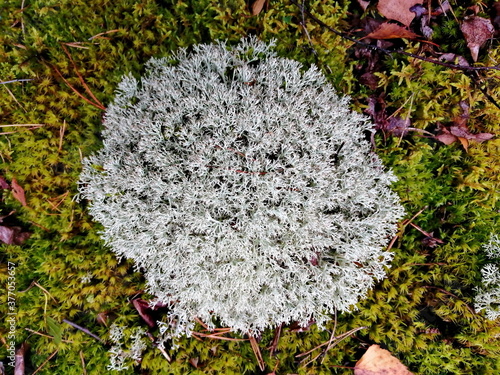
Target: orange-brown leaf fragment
{"x":18,"y":192}
{"x":257,"y":6}
{"x":477,"y":31}
{"x":398,"y":10}
{"x":378,"y":361}
{"x":391,"y":31}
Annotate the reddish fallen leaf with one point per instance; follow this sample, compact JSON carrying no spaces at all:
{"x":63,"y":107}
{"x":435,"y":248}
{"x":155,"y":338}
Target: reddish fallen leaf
{"x":378,"y":361}
{"x":391,"y":31}
{"x":296,"y":327}
{"x":3,"y":183}
{"x":13,"y":235}
{"x":18,"y":192}
{"x":364,"y":4}
{"x":477,"y":31}
{"x":20,"y":356}
{"x":398,"y":126}
{"x":145,"y":311}
{"x":194,"y":362}
{"x":454,"y":58}
{"x":398,"y":10}
{"x":446,"y":137}
{"x":257,"y":6}
{"x":369,"y":79}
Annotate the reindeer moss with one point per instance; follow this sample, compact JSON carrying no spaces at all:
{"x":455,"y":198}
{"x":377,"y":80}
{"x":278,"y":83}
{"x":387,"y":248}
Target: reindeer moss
{"x":423,"y":312}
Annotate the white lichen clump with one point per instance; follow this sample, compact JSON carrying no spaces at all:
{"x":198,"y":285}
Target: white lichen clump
{"x":488,"y":296}
{"x":243,"y":187}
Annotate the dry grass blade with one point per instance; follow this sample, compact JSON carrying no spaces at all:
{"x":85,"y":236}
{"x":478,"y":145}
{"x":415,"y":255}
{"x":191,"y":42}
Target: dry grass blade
{"x":81,"y":78}
{"x":104,"y":33}
{"x":100,"y":106}
{"x":258,"y":354}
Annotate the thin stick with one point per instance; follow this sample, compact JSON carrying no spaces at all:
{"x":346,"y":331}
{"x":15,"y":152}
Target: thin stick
{"x":449,"y":294}
{"x":45,"y":290}
{"x":21,"y":125}
{"x":276,"y":338}
{"x":16,"y":80}
{"x":85,"y":330}
{"x":76,"y":91}
{"x":44,"y":335}
{"x":83,"y":363}
{"x":104,"y":33}
{"x":15,"y":99}
{"x":256,"y":350}
{"x":80,"y":77}
{"x":43,"y":364}
{"x":61,"y":135}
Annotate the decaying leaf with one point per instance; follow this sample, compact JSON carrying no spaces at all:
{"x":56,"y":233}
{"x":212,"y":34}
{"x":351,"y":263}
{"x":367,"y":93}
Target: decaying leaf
{"x":20,"y":357}
{"x":18,"y":192}
{"x":388,"y":30}
{"x":257,"y":6}
{"x":145,"y":311}
{"x":458,"y":131}
{"x":378,"y":361}
{"x":398,"y":126}
{"x":398,"y":10}
{"x":13,"y":235}
{"x":477,"y":31}
{"x":364,"y":4}
{"x":3,"y":183}
{"x":454,"y":58}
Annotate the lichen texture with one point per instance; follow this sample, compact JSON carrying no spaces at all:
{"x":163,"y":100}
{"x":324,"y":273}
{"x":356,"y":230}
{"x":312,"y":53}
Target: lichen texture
{"x":243,"y":187}
{"x":488,"y":295}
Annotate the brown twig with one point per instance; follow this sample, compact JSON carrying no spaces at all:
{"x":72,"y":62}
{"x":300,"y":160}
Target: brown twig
{"x":82,"y":81}
{"x":100,"y":106}
{"x":44,"y":362}
{"x":104,"y":33}
{"x":276,"y":338}
{"x":83,"y":363}
{"x":449,"y":294}
{"x":391,"y":52}
{"x":84,"y":330}
{"x":44,"y":335}
{"x":256,"y":350}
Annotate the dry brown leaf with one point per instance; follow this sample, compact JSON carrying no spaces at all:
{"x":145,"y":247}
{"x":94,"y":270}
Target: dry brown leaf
{"x":477,"y":31}
{"x":18,"y":192}
{"x":145,"y":311}
{"x":378,"y":361}
{"x":446,"y":138}
{"x":257,"y":6}
{"x":388,"y":30}
{"x":398,"y":10}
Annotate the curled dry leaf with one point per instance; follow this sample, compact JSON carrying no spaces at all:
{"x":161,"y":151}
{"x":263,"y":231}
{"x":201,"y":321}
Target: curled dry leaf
{"x":145,"y":311}
{"x":398,"y":10}
{"x":477,"y":31}
{"x":388,"y":30}
{"x":378,"y":361}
